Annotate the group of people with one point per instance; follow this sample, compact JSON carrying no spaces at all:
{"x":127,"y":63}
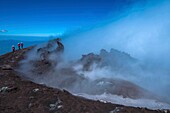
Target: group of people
{"x":20,"y":46}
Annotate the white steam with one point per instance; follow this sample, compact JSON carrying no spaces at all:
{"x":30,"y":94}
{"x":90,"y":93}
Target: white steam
{"x":142,"y":33}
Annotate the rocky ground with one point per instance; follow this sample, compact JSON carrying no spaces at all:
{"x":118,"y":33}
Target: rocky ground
{"x":19,"y":95}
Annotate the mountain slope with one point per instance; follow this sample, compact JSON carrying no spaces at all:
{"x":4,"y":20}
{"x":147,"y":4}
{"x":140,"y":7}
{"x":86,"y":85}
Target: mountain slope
{"x":21,"y":95}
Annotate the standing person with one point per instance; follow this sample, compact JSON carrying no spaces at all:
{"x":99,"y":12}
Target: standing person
{"x":19,"y":46}
{"x":13,"y":48}
{"x":22,"y":45}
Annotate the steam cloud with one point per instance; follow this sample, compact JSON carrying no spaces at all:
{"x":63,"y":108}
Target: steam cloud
{"x":141,"y":32}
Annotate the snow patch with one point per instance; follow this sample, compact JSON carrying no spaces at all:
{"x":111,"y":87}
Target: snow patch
{"x":115,"y":99}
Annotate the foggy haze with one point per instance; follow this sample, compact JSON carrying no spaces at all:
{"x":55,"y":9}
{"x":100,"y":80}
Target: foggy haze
{"x":143,"y":33}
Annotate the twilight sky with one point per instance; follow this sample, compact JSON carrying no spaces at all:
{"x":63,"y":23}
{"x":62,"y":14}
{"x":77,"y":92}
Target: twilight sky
{"x":52,"y":17}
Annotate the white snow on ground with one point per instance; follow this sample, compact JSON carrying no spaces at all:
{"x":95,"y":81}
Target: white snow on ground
{"x":147,"y":103}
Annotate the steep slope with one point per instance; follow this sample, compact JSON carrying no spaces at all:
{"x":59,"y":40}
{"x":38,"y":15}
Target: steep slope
{"x":19,"y":95}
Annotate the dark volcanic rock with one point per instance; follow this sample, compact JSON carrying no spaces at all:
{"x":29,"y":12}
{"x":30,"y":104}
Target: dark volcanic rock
{"x":19,"y":95}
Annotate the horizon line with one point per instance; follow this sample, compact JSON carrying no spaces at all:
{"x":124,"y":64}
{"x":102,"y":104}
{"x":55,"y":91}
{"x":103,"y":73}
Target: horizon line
{"x":33,"y":35}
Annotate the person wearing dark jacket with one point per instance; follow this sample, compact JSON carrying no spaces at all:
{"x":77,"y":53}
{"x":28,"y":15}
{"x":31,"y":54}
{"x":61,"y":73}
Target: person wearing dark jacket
{"x":13,"y":48}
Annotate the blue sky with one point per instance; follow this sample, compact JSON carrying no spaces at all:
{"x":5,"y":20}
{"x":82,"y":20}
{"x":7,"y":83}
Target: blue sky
{"x":53,"y":17}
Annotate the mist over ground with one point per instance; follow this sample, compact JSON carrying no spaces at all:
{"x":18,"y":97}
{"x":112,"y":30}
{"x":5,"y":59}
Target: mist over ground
{"x":143,"y":32}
